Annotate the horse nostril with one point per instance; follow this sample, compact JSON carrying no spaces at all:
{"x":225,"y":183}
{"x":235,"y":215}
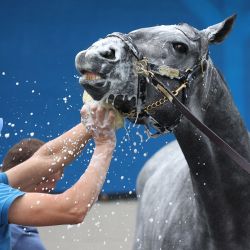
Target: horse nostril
{"x":109,"y":54}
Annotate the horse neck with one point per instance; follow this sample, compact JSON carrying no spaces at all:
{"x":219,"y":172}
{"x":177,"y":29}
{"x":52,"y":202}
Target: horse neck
{"x":221,"y":187}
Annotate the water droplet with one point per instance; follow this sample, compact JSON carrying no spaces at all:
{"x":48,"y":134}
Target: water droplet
{"x":151,"y":220}
{"x":69,"y":226}
{"x":7,"y":135}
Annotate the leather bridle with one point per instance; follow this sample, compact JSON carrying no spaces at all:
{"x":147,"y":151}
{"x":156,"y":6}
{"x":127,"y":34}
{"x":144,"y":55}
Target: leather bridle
{"x":152,"y":73}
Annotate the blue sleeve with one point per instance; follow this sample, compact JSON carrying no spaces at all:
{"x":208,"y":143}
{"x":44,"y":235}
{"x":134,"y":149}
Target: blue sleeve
{"x":23,"y":238}
{"x":7,"y":196}
{"x":4,"y":178}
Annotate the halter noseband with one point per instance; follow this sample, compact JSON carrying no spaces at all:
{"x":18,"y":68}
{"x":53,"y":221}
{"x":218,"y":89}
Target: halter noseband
{"x":148,"y":72}
{"x":128,"y":41}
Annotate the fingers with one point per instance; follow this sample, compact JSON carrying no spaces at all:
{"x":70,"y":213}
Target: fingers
{"x":92,"y":110}
{"x":101,"y":124}
{"x":100,"y":114}
{"x":88,"y":114}
{"x":84,"y":115}
{"x":83,"y":110}
{"x":98,"y":121}
{"x":97,"y":114}
{"x":111,"y":118}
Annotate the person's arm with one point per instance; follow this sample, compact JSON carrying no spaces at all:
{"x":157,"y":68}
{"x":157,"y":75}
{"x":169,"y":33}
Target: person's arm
{"x":49,"y":158}
{"x":71,"y":206}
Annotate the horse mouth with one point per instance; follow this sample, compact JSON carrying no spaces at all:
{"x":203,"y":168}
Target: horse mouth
{"x":95,"y":84}
{"x":98,"y":87}
{"x":89,"y":76}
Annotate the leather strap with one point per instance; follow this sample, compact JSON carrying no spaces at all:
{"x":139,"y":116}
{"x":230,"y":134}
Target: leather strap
{"x":235,"y":156}
{"x":128,"y":41}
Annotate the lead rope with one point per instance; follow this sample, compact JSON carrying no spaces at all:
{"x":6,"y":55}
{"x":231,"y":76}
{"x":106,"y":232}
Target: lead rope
{"x":234,"y":155}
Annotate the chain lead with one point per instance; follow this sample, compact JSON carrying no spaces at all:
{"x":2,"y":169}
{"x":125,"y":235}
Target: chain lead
{"x":142,"y":68}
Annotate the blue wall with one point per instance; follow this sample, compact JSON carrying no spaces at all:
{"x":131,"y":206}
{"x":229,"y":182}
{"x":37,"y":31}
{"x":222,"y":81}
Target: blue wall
{"x":39,"y":91}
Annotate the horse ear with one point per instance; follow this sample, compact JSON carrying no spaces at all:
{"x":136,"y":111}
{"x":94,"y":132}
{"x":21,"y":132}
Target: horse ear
{"x":217,"y":33}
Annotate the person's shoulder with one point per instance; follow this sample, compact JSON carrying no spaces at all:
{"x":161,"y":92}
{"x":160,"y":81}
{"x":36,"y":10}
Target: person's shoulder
{"x":7,"y":197}
{"x":8,"y":193}
{"x":6,"y":190}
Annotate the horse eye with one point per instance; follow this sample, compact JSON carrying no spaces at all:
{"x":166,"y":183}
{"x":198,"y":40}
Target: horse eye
{"x":180,"y":47}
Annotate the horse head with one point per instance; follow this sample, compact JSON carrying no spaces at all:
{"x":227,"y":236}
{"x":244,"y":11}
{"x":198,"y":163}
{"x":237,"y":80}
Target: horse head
{"x":109,"y":69}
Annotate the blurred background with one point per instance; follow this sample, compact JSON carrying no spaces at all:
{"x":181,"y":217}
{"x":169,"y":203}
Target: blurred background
{"x":39,"y":91}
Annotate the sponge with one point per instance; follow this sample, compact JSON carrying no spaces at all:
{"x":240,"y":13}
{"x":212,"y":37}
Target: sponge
{"x":119,"y":119}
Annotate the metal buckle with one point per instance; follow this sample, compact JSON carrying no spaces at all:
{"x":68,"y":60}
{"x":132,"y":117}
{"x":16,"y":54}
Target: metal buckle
{"x":154,"y":125}
{"x":155,"y":134}
{"x":176,"y":92}
{"x":142,"y":68}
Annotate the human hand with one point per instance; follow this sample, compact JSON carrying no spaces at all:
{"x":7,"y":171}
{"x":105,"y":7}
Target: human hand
{"x":119,"y":119}
{"x":100,"y":123}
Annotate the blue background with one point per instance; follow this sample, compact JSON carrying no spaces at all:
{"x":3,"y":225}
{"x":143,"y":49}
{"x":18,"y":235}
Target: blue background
{"x":39,"y":91}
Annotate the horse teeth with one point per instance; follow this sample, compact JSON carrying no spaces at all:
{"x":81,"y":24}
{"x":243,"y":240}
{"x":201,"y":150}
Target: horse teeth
{"x":91,"y":76}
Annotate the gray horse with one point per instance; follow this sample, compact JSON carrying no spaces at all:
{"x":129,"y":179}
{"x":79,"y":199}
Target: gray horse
{"x":192,"y":196}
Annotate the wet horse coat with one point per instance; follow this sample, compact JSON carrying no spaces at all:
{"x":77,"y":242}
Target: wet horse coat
{"x":191,"y":195}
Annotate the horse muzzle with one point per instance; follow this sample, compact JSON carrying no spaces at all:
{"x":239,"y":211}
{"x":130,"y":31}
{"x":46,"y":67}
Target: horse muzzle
{"x":96,"y":86}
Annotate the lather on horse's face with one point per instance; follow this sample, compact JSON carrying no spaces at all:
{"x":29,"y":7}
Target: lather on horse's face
{"x":107,"y":72}
{"x":108,"y":68}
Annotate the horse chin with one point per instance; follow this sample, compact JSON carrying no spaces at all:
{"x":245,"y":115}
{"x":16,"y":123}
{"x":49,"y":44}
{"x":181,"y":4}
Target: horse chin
{"x":123,"y":103}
